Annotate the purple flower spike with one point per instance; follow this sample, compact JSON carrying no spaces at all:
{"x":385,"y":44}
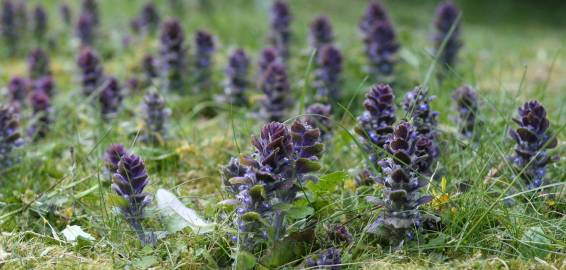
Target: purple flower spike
{"x":328,"y":80}
{"x":149,"y":18}
{"x":110,"y":98}
{"x":403,"y":169}
{"x":128,"y":182}
{"x":277,"y":100}
{"x":39,"y":22}
{"x":86,"y":29}
{"x":156,"y":115}
{"x":329,"y":259}
{"x":532,"y":139}
{"x":381,"y":46}
{"x":46,"y":85}
{"x":10,"y":27}
{"x":10,"y":137}
{"x":149,"y":67}
{"x":375,"y":124}
{"x":41,"y":107}
{"x":466,"y":101}
{"x":90,"y":8}
{"x":321,"y":32}
{"x":280,"y":28}
{"x":38,"y":64}
{"x":417,"y":106}
{"x":205,"y":47}
{"x":283,"y":159}
{"x":320,"y":116}
{"x":66,"y":14}
{"x":18,"y":90}
{"x":91,"y":71}
{"x":375,"y":12}
{"x":446,"y":15}
{"x":236,"y":78}
{"x":267,"y":57}
{"x":172,"y":52}
{"x":112,"y":157}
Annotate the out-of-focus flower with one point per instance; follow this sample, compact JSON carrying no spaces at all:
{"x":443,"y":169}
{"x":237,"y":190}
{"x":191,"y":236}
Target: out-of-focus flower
{"x":41,"y":107}
{"x":277,"y":93}
{"x":320,"y":116}
{"x":329,"y":259}
{"x":205,"y":47}
{"x":92,"y":75}
{"x":173,"y":55}
{"x":280,"y":36}
{"x":466,"y":101}
{"x":328,"y":80}
{"x":110,"y":97}
{"x":38,"y":64}
{"x":10,"y":137}
{"x":423,"y":118}
{"x":236,"y":79}
{"x":446,"y":15}
{"x":39,"y":22}
{"x":156,"y":115}
{"x":320,"y":32}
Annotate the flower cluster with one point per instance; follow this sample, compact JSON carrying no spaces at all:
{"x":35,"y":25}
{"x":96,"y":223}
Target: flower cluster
{"x":128,"y":181}
{"x":205,"y":47}
{"x":18,"y":89}
{"x":66,"y":14}
{"x":112,"y":157}
{"x":148,"y":20}
{"x":39,"y":25}
{"x":90,"y":8}
{"x":10,"y":137}
{"x":375,"y":13}
{"x":280,"y":28}
{"x":466,"y":100}
{"x":533,"y":140}
{"x":173,"y":53}
{"x":329,"y":259}
{"x":155,"y":118}
{"x":328,"y":74}
{"x":110,"y":97}
{"x":320,"y":116}
{"x":417,"y":106}
{"x":38,"y":64}
{"x":410,"y":159}
{"x":46,"y":85}
{"x":41,"y":106}
{"x":86,"y":29}
{"x":283,"y":158}
{"x":321,"y":32}
{"x":446,"y":15}
{"x":92,"y":74}
{"x":267,"y":57}
{"x":10,"y":27}
{"x":149,"y":67}
{"x":277,"y":93}
{"x":375,"y":124}
{"x":237,"y":78}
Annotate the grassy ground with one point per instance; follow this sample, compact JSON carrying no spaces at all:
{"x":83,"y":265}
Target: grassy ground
{"x":513,"y":52}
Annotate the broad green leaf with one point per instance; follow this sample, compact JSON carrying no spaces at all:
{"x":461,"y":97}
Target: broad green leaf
{"x":299,"y":211}
{"x":245,"y":260}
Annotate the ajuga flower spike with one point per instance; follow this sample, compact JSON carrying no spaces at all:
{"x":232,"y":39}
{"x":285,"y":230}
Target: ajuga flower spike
{"x":204,"y":46}
{"x":446,"y":16}
{"x":466,"y":101}
{"x":381,"y":46}
{"x":281,"y":28}
{"x":423,"y":118}
{"x":320,"y":116}
{"x":85,"y":29}
{"x":18,"y":89}
{"x":39,"y":23}
{"x":328,"y":74}
{"x":156,"y":115}
{"x":10,"y":137}
{"x":533,"y":140}
{"x":237,"y":78}
{"x":10,"y":27}
{"x":112,"y":157}
{"x":321,"y":32}
{"x":41,"y":107}
{"x":267,"y":57}
{"x":92,"y":73}
{"x":277,"y":93}
{"x":38,"y":64}
{"x":110,"y":97}
{"x":172,"y":53}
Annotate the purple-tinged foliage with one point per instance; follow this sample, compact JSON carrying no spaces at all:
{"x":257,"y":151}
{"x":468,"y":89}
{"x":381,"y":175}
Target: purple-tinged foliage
{"x":112,"y":157}
{"x":267,"y":57}
{"x":277,"y":93}
{"x":381,"y":46}
{"x":92,"y":74}
{"x":237,"y":79}
{"x":204,"y":49}
{"x":149,"y":18}
{"x":128,"y":182}
{"x":339,"y":234}
{"x":156,"y":115}
{"x":375,"y":13}
{"x":39,"y":22}
{"x":66,"y":14}
{"x":320,"y":32}
{"x":532,"y":139}
{"x":38,"y":64}
{"x":110,"y":97}
{"x":41,"y":106}
{"x":466,"y":100}
{"x":320,"y":116}
{"x":150,"y":69}
{"x":11,"y":30}
{"x":410,"y":159}
{"x":375,"y":124}
{"x":90,"y":8}
{"x":10,"y":137}
{"x":173,"y":55}
{"x":45,"y":84}
{"x":446,"y":16}
{"x":328,"y":80}
{"x":280,"y":35}
{"x":283,"y":158}
{"x":329,"y":259}
{"x":423,"y":118}
{"x":86,"y":29}
{"x":18,"y":90}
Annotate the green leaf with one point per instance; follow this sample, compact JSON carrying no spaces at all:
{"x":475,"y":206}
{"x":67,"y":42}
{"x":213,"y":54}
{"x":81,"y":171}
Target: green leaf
{"x":116,"y":200}
{"x":245,"y":260}
{"x":299,"y":211}
{"x":329,"y":182}
{"x":306,"y":165}
{"x":145,"y":262}
{"x":535,"y":243}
